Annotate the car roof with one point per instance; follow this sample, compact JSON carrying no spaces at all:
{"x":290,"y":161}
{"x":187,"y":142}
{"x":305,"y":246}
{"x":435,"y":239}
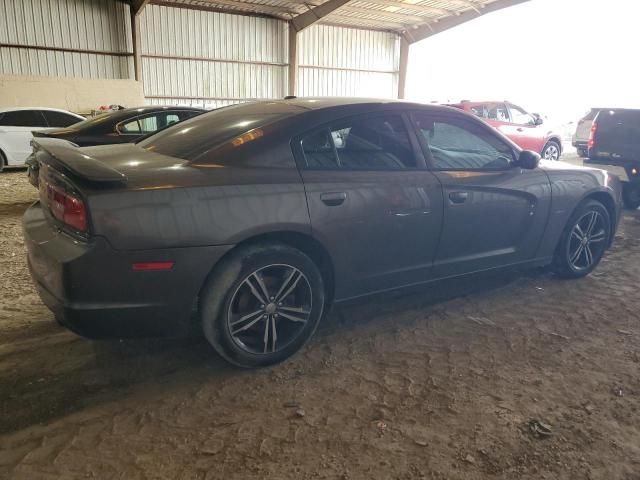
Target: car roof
{"x":49,"y":109}
{"x":317,"y":103}
{"x":299,"y":105}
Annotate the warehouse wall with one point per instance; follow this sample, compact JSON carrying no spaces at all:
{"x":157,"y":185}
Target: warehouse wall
{"x":192,"y":57}
{"x":75,"y":94}
{"x":66,"y":38}
{"x":211,"y":59}
{"x":347,"y":62}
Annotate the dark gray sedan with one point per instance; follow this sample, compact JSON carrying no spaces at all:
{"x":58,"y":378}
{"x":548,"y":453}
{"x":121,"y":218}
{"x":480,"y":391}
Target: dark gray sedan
{"x":253,"y":219}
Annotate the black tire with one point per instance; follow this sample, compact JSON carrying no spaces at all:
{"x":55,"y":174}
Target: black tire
{"x":228,"y":289}
{"x":551,"y":151}
{"x":631,"y":195}
{"x":583,"y":153}
{"x":3,"y":161}
{"x":564,"y":264}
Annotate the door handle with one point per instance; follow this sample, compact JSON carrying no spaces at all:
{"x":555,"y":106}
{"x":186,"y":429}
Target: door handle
{"x":333,"y":199}
{"x":520,"y":129}
{"x":458,"y":197}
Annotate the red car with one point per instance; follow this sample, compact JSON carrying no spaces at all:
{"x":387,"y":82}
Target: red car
{"x":524,"y":128}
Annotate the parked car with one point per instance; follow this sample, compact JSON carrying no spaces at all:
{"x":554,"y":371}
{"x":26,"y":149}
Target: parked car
{"x":121,"y":126}
{"x":255,"y":218}
{"x":614,"y":145}
{"x":583,"y":130}
{"x":524,"y":128}
{"x":16,"y":125}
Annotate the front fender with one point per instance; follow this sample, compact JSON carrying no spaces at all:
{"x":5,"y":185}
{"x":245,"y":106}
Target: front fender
{"x":571,"y":187}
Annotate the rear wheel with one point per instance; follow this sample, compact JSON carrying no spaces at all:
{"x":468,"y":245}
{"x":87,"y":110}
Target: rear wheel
{"x":3,"y":161}
{"x":551,"y":150}
{"x":582,"y":152}
{"x":584,"y":240}
{"x":262,"y":304}
{"x":631,"y":195}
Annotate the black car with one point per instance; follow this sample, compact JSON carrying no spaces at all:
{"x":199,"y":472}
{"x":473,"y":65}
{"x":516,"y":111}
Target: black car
{"x":614,"y":145}
{"x":254,"y":219}
{"x":121,"y":126}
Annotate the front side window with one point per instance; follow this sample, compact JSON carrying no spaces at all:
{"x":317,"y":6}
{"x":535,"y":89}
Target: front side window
{"x":59,"y":119}
{"x":457,"y":144}
{"x":520,"y":117}
{"x":23,"y":118}
{"x":379,"y":142}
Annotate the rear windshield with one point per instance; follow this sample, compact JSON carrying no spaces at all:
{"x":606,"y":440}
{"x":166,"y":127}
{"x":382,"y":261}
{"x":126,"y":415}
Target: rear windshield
{"x":90,"y":122}
{"x":592,"y":114}
{"x":199,"y":135}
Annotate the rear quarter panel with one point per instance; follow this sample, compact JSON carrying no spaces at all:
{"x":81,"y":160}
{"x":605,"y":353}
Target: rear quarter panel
{"x":208,"y":204}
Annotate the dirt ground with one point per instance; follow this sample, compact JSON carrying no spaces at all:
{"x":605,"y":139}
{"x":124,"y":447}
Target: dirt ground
{"x":437,"y":384}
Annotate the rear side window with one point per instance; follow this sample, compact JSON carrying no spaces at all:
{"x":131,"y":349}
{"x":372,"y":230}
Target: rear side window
{"x":152,"y":123}
{"x":497,"y":112}
{"x":379,"y":142}
{"x":23,"y":118}
{"x":59,"y":119}
{"x":131,"y":127}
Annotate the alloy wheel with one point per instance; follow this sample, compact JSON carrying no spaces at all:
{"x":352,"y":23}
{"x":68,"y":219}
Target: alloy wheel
{"x":269,"y":309}
{"x":587,"y":241}
{"x":551,"y":152}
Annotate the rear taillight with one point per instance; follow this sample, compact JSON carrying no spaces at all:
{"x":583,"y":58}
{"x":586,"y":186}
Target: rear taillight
{"x":67,"y":208}
{"x":592,"y":135}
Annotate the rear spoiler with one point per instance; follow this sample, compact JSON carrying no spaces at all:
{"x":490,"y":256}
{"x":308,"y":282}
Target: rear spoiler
{"x":69,"y":157}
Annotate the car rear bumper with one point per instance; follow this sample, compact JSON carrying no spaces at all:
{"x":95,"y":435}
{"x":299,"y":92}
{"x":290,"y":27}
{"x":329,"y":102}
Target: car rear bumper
{"x":93,"y":290}
{"x":622,"y":169}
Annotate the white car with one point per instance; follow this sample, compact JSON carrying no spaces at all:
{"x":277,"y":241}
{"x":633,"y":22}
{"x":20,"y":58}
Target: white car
{"x":16,"y":125}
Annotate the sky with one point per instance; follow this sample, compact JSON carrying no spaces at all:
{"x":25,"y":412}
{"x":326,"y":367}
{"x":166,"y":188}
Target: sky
{"x":558,"y":58}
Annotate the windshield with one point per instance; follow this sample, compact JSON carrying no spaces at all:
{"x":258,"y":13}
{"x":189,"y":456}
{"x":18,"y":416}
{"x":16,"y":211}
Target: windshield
{"x":194,"y":137}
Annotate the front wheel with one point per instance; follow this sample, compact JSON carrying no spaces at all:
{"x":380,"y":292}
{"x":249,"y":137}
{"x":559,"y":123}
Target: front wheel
{"x":551,"y":151}
{"x":631,"y":195}
{"x":262,"y":304}
{"x":584,"y":241}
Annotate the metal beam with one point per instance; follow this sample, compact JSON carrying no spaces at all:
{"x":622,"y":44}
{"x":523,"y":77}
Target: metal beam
{"x":404,"y":62}
{"x":252,"y":7}
{"x":315,"y":14}
{"x":434,"y":11}
{"x":293,"y":61}
{"x":221,"y":9}
{"x":135,"y":41}
{"x":138,"y":5}
{"x":429,"y":29}
{"x":365,"y":23}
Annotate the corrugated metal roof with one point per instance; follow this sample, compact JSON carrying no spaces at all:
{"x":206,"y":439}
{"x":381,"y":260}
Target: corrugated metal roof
{"x":399,"y":16}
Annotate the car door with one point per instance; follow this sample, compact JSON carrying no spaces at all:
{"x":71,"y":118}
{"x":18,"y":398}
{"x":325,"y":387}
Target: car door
{"x":15,"y":133}
{"x":371,"y":201}
{"x":495,"y":212}
{"x":523,"y":129}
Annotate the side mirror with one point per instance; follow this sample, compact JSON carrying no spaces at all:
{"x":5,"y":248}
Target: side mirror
{"x":528,"y":160}
{"x":537,"y":119}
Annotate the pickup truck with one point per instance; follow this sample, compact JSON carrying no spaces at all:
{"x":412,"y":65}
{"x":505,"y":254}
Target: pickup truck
{"x":614,"y":145}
